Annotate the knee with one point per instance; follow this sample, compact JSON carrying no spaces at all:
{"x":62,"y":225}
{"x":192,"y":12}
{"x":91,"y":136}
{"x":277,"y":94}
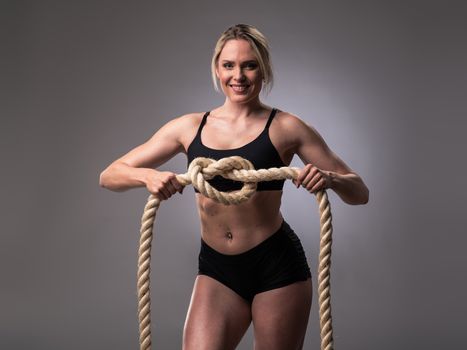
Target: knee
{"x":203,"y":336}
{"x":193,"y":340}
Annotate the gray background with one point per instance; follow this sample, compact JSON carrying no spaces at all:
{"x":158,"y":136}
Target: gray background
{"x":83,"y":82}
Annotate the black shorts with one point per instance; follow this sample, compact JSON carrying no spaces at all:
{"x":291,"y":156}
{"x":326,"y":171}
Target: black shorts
{"x":276,"y":262}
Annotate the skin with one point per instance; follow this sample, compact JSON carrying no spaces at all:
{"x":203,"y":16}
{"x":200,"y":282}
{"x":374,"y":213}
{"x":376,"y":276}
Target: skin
{"x":217,"y":317}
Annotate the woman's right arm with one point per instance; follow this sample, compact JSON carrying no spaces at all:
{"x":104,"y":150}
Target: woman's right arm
{"x":136,"y":168}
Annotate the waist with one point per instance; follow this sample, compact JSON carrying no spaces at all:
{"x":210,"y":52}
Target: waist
{"x":278,"y":237}
{"x":243,"y":244}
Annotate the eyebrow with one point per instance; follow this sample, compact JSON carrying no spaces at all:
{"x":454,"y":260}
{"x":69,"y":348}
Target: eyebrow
{"x":248,"y":61}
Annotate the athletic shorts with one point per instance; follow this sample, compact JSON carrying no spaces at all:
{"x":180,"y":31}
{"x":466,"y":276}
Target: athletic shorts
{"x":276,"y":262}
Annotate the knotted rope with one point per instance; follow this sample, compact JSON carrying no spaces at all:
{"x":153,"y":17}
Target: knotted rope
{"x":239,"y":169}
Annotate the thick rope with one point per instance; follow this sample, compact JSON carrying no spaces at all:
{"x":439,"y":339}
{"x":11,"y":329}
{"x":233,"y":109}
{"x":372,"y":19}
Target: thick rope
{"x":239,"y":169}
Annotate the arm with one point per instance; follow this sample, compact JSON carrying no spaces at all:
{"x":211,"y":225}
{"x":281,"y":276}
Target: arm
{"x":135,"y":168}
{"x":322,"y":163}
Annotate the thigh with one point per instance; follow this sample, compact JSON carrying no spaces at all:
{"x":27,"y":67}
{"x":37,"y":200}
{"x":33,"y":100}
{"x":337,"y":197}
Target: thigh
{"x":280,"y":316}
{"x":217,"y":317}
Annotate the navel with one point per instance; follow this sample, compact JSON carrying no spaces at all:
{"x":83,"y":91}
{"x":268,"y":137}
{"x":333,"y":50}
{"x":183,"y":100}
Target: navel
{"x":229,"y":235}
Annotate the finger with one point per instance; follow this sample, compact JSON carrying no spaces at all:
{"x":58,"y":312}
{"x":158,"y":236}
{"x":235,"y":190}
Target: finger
{"x":305,"y":171}
{"x":164,"y":193}
{"x":302,"y":174}
{"x":296,"y":181}
{"x":176,"y":184}
{"x":159,"y":195}
{"x":310,"y":179}
{"x":318,"y":186}
{"x":171,"y":188}
{"x":307,"y":181}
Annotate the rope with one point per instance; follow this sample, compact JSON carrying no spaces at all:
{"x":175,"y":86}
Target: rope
{"x":239,"y":169}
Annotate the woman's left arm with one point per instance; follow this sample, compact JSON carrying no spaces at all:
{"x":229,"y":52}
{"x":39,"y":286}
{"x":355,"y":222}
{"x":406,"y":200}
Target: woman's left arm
{"x":323,"y":168}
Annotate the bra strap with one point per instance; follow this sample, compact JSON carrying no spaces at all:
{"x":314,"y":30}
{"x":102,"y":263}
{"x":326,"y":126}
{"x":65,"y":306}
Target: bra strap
{"x":203,"y":121}
{"x":273,"y":113}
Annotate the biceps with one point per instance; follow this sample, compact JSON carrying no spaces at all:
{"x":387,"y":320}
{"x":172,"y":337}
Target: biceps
{"x":313,"y":149}
{"x":160,"y":148}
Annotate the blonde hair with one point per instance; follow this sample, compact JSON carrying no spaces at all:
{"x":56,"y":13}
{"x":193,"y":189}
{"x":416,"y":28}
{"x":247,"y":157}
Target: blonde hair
{"x":258,"y":43}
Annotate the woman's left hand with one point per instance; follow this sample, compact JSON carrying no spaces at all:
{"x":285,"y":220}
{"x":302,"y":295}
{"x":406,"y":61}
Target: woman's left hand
{"x":313,"y":178}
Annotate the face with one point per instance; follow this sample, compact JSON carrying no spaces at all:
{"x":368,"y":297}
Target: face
{"x":238,"y":71}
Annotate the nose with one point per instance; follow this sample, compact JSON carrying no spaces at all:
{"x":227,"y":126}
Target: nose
{"x":238,"y":74}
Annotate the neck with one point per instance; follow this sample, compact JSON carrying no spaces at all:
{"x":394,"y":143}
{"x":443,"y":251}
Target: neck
{"x":242,"y":110}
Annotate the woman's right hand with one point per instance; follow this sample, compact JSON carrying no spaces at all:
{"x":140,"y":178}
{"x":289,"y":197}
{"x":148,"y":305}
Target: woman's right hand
{"x":163,"y":184}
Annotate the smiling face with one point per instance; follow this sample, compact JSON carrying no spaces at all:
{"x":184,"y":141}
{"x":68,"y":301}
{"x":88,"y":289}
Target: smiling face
{"x":238,"y":71}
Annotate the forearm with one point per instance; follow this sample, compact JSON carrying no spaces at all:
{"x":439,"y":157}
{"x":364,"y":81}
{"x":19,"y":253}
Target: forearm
{"x":120,"y":177}
{"x":349,"y":187}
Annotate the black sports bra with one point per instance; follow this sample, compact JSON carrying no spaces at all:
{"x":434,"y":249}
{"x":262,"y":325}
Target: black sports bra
{"x":261,"y":152}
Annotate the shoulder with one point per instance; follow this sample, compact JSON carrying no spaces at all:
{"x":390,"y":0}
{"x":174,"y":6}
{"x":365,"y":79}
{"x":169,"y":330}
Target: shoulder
{"x":183,"y":123}
{"x":176,"y":128}
{"x":185,"y":126}
{"x":185,"y":120}
{"x":293,"y":125}
{"x":286,"y":118}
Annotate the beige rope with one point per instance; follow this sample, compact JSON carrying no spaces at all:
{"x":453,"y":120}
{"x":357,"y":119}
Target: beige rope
{"x":239,"y":169}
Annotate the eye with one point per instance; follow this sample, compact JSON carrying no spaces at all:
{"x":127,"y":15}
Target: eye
{"x":251,"y":65}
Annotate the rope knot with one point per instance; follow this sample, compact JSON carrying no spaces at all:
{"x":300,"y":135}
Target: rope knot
{"x":236,"y":168}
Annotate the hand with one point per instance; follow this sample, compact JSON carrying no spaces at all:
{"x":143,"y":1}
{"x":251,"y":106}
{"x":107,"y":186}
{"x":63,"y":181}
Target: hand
{"x":163,"y":184}
{"x":313,"y":178}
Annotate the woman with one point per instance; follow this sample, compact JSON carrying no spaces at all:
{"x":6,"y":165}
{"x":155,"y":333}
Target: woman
{"x":252,"y":266}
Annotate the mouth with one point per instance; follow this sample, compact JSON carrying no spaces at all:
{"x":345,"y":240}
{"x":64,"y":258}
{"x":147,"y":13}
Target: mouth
{"x":239,"y":87}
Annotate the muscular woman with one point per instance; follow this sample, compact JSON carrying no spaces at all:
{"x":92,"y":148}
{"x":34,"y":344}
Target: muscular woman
{"x":252,"y":266}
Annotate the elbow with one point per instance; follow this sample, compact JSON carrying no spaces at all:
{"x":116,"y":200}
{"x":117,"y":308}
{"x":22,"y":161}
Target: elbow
{"x":366,"y":196}
{"x":103,"y":179}
{"x":361,"y":199}
{"x":108,"y":180}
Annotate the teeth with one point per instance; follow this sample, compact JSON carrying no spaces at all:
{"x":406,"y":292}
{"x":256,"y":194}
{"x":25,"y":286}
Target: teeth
{"x":239,"y":87}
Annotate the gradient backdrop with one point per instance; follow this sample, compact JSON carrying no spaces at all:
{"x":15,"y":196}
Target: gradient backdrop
{"x":83,"y":82}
